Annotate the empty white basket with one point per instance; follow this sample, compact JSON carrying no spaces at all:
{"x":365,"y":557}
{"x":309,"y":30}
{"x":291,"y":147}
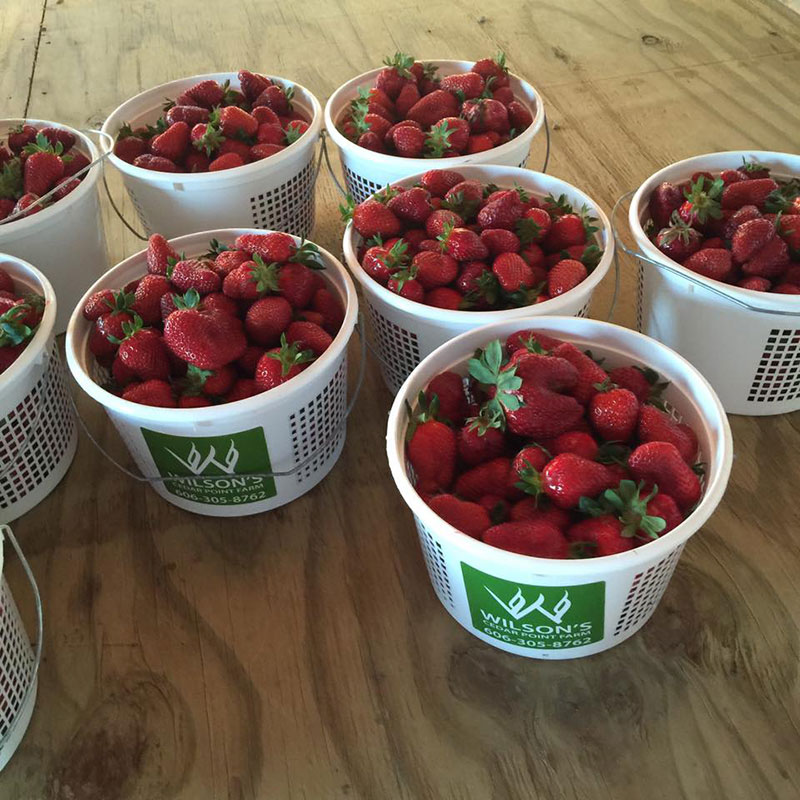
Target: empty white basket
{"x":38,"y":435}
{"x":275,"y":193}
{"x":19,"y":659}
{"x":553,"y":608}
{"x":405,"y":331}
{"x":64,"y":240}
{"x":746,"y":343}
{"x":366,"y":171}
{"x":276,"y":431}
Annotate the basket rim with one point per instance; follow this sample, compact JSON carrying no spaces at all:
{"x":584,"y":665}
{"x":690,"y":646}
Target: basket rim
{"x":85,"y":186}
{"x":568,"y":328}
{"x":307,"y":139}
{"x":44,"y":331}
{"x":720,"y":160}
{"x":524,"y":177}
{"x":422,"y":164}
{"x":78,"y":330}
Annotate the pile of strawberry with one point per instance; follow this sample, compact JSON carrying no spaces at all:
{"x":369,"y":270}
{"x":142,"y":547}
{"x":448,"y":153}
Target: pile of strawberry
{"x":20,"y":314}
{"x":32,"y":162}
{"x":212,"y":127}
{"x":541,"y":451}
{"x":460,"y":244}
{"x":740,"y":227}
{"x":217,"y":328}
{"x":410,"y":112}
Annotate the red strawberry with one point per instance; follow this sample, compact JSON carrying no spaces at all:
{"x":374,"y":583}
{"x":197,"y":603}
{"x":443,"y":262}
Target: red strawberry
{"x":252,"y":84}
{"x":498,"y":240}
{"x":748,"y":193}
{"x":264,"y":114}
{"x":494,"y":68}
{"x":6,"y":207}
{"x":21,"y":136}
{"x":578,"y":442}
{"x":207,"y":339}
{"x":501,"y":211}
{"x":532,"y":508}
{"x":241,"y":390}
{"x":448,"y":388}
{"x":665,"y":199}
{"x":270,"y":133}
{"x":770,"y":261}
{"x":568,"y":477}
{"x":109,"y":327}
{"x":527,"y":466}
{"x":227,"y":161}
{"x":217,"y":301}
{"x":143,"y":352}
{"x":635,"y":380}
{"x":372,"y":218}
{"x":326,"y":303}
{"x":74,"y":162}
{"x":309,"y":336}
{"x":159,"y":255}
{"x":657,"y":426}
{"x":435,"y":269}
{"x":531,"y":341}
{"x":195,"y":274}
{"x":603,"y":533}
{"x":749,"y":238}
{"x":478,"y":443}
{"x":543,"y":414}
{"x":406,"y":99}
{"x":196,"y":162}
{"x":267,"y":319}
{"x":733,"y":219}
{"x":207,"y":93}
{"x":661,"y":464}
{"x":789,"y":231}
{"x":371,"y":141}
{"x":503,"y":95}
{"x":9,"y":354}
{"x":440,"y":220}
{"x":519,"y":117}
{"x":755,"y":284}
{"x":248,"y":361}
{"x":589,"y":373}
{"x":463,"y":244}
{"x":491,"y":477}
{"x":439,"y":181}
{"x":408,"y":141}
{"x":433,"y":107}
{"x":465,"y":85}
{"x":513,"y":272}
{"x":442,"y":297}
{"x":565,"y":231}
{"x":43,"y":169}
{"x":678,"y":240}
{"x":297,"y":283}
{"x":537,"y":538}
{"x":277,"y":98}
{"x":469,"y":518}
{"x":271,"y":246}
{"x":711,"y":263}
{"x":193,"y":401}
{"x":565,"y":275}
{"x":614,"y":414}
{"x":147,"y":302}
{"x":413,"y":205}
{"x":251,"y":280}
{"x":98,"y":303}
{"x":486,"y":115}
{"x":173,"y":143}
{"x":155,"y":163}
{"x":787,"y":288}
{"x":391,"y":80}
{"x":150,"y":393}
{"x":122,"y":375}
{"x":432,"y":453}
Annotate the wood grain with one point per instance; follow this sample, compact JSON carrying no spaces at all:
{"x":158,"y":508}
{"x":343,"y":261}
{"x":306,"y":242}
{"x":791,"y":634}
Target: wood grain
{"x":303,"y":654}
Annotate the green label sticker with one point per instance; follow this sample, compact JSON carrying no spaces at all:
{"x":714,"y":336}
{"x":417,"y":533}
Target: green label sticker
{"x":230,"y":457}
{"x":540,"y":617}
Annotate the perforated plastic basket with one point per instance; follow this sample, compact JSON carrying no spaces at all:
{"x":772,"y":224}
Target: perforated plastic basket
{"x":38,"y":435}
{"x":746,"y":343}
{"x":366,"y":171}
{"x":275,"y":193}
{"x":405,"y":332}
{"x":547,"y":608}
{"x":65,"y":240}
{"x":19,"y":659}
{"x":271,"y":432}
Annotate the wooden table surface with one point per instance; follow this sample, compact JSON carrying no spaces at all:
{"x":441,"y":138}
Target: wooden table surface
{"x":302,"y":653}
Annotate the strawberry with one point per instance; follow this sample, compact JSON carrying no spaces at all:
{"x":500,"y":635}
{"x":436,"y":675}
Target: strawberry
{"x":408,"y":141}
{"x":749,"y":238}
{"x":448,"y":389}
{"x":264,"y":114}
{"x":226,"y":161}
{"x":555,"y":374}
{"x":412,"y":205}
{"x":532,"y":508}
{"x":74,"y":162}
{"x":270,"y":133}
{"x":437,"y":105}
{"x":733,"y":219}
{"x":207,"y":339}
{"x":195,"y":274}
{"x":787,"y":288}
{"x":788,"y":228}
{"x":155,"y":163}
{"x":405,"y":284}
{"x":589,"y":373}
{"x":21,"y":136}
{"x":578,"y":442}
{"x":150,"y":393}
{"x":26,"y":204}
{"x":432,"y":453}
{"x":159,"y":255}
{"x":501,"y":211}
{"x":371,"y":141}
{"x":439,"y":220}
{"x":439,"y":181}
{"x":109,"y":327}
{"x":702,"y":202}
{"x":678,"y":240}
{"x":217,"y":301}
{"x":212,"y":383}
{"x":565,"y":231}
{"x":663,"y":506}
{"x":490,"y":477}
{"x":519,"y":117}
{"x":43,"y":167}
{"x":277,"y":98}
{"x":604,"y":535}
{"x":565,"y":275}
{"x":531,"y":341}
{"x":197,"y":162}
{"x":448,"y":137}
{"x":252,"y":83}
{"x":9,"y":353}
{"x":328,"y":305}
{"x":494,"y":68}
{"x":469,"y":518}
{"x":380,"y":262}
{"x":543,"y":414}
{"x":207,"y":93}
{"x":147,"y":298}
{"x":241,"y":390}
{"x":643,"y":382}
{"x":527,"y":465}
{"x":309,"y":336}
{"x":533,"y":226}
{"x":463,"y":244}
{"x":391,"y":80}
{"x":537,"y":538}
{"x":406,"y":99}
{"x":442,"y":297}
{"x":486,"y":114}
{"x":513,"y":272}
{"x":251,"y":280}
{"x":6,"y":207}
{"x":143,"y":352}
{"x":297,"y":283}
{"x":614,"y":414}
{"x":770,"y":261}
{"x":464,"y":85}
{"x":711,"y":263}
{"x":568,"y":477}
{"x":173,"y":144}
{"x":193,"y":401}
{"x":748,"y":193}
{"x":499,"y":240}
{"x":6,"y":282}
{"x":661,"y":464}
{"x":434,"y":269}
{"x":664,"y":201}
{"x":98,"y":303}
{"x":378,"y":125}
{"x":373,"y":218}
{"x":755,"y":284}
{"x":478,"y":442}
{"x":267,"y":319}
{"x":121,"y":374}
{"x":504,"y":95}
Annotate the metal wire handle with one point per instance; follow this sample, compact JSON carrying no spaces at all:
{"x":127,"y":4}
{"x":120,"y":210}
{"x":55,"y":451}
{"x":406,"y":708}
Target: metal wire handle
{"x":704,"y":284}
{"x":5,"y":531}
{"x":274,"y":474}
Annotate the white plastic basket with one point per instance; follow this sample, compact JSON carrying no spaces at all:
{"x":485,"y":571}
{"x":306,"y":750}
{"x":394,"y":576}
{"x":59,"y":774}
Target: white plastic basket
{"x":275,"y":193}
{"x":405,"y":331}
{"x":746,"y":343}
{"x":19,"y":659}
{"x":546,"y":608}
{"x":365,"y":172}
{"x":276,"y":431}
{"x":65,"y":240}
{"x":38,"y":435}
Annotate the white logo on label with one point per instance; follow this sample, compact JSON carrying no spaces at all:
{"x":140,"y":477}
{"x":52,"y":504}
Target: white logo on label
{"x":197,"y":465}
{"x":516,"y":606}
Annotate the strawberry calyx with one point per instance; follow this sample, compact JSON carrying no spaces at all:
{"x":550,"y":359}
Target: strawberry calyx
{"x":705,"y":200}
{"x":347,"y":209}
{"x":215,"y":247}
{"x":386,"y":194}
{"x":122,"y":302}
{"x":657,"y":387}
{"x":490,"y":188}
{"x":559,"y":207}
{"x":459,"y":205}
{"x":43,"y":145}
{"x":290,"y":355}
{"x":629,"y":507}
{"x":195,"y":379}
{"x":524,"y":297}
{"x":292,"y":134}
{"x":402,"y":275}
{"x":486,"y":367}
{"x":154,"y":130}
{"x":523,"y":193}
{"x":752,"y":166}
{"x":402,"y":62}
{"x":437,"y":142}
{"x":588,"y":220}
{"x":590,"y":257}
{"x":429,"y":71}
{"x":427,"y":411}
{"x":613,"y":453}
{"x":129,"y":329}
{"x":11,"y":179}
{"x":486,"y":94}
{"x":781,"y":199}
{"x":500,"y":60}
{"x":308,"y":255}
{"x":533,"y":345}
{"x":528,"y":231}
{"x":213,"y":138}
{"x":264,"y":276}
{"x":13,"y":330}
{"x":230,"y":95}
{"x":487,"y":288}
{"x":187,"y":301}
{"x":396,"y":258}
{"x":530,"y":481}
{"x":678,"y":229}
